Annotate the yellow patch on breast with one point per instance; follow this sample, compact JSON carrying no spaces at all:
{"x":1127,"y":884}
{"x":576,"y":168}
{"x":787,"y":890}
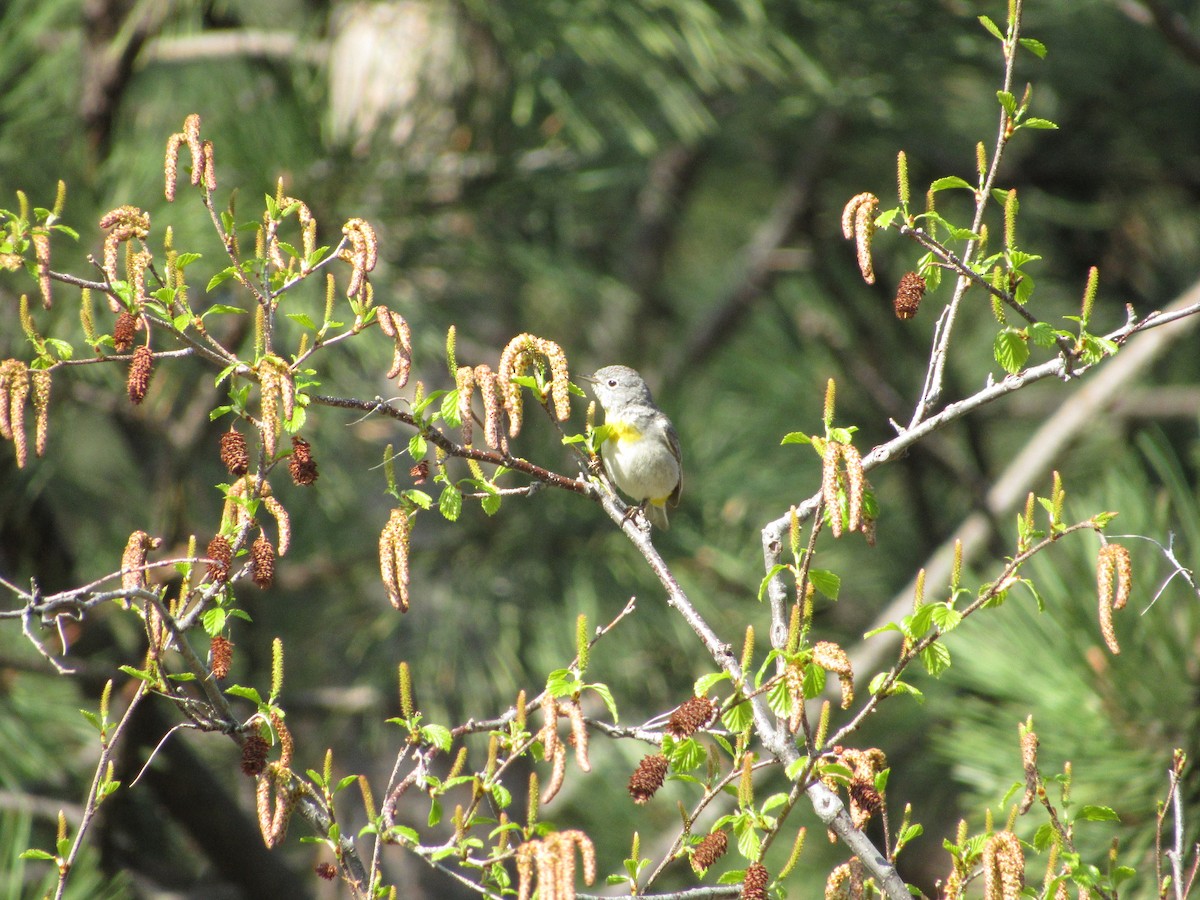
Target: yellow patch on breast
{"x":623,"y":432}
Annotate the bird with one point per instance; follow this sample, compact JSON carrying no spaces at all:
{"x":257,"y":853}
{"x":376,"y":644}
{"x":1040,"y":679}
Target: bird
{"x":641,"y":452}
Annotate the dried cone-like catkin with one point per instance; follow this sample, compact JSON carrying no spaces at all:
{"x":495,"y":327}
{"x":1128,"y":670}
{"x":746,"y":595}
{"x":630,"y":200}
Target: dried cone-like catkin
{"x":693,"y":715}
{"x":908,"y":295}
{"x":220,"y":551}
{"x":301,"y":463}
{"x":254,"y":755}
{"x":755,"y":881}
{"x":220,"y":654}
{"x":139,"y":373}
{"x":233,"y":453}
{"x":832,"y":658}
{"x":647,"y":778}
{"x":262,"y":562}
{"x":326,"y":870}
{"x":124,"y":331}
{"x":709,"y":850}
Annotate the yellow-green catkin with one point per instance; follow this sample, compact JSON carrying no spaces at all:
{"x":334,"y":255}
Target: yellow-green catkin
{"x":330,"y":295}
{"x":535,"y":798}
{"x":368,"y":797}
{"x":794,"y":621}
{"x":919,"y":591}
{"x":60,"y":199}
{"x":452,"y":350}
{"x":830,"y":401}
{"x":583,"y":646}
{"x":1089,"y":293}
{"x":746,"y":782}
{"x":981,"y":159}
{"x":956,"y":570}
{"x":747,"y":649}
{"x":87,"y":317}
{"x":822,"y":724}
{"x":902,"y":177}
{"x":794,"y":856}
{"x":1010,"y":219}
{"x":276,"y":667}
{"x":1057,"y":498}
{"x":406,"y":697}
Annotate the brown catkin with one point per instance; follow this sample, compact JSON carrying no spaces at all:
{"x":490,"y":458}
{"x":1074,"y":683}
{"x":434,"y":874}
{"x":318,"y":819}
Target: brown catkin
{"x":124,"y":331}
{"x":254,"y":755}
{"x":233,"y":452}
{"x":647,"y":778}
{"x":301,"y":464}
{"x":755,"y":881}
{"x":140,"y":369}
{"x":908,"y":295}
{"x":709,"y":850}
{"x":691,"y":716}
{"x":262,"y":562}
{"x":220,"y":654}
{"x":220,"y":551}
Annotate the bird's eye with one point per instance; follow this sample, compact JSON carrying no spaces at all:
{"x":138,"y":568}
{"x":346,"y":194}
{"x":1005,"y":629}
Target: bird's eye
{"x":612,"y":382}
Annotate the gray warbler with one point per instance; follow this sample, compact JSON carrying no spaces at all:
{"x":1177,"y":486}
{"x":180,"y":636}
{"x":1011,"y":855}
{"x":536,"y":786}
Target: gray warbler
{"x":641,"y":453}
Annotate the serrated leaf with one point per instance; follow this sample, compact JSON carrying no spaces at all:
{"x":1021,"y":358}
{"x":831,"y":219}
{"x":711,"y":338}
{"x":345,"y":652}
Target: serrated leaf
{"x":438,"y":735}
{"x":795,"y":767}
{"x":501,"y":795}
{"x":223,"y":308}
{"x":813,"y":681}
{"x":1098,"y":814}
{"x":222,"y":276}
{"x":1034,"y":46}
{"x":890,"y":626}
{"x":35,"y":854}
{"x":885,"y":218}
{"x":417,"y":446}
{"x":490,"y":502}
{"x":435,"y":813}
{"x":183,"y":260}
{"x":827,"y":583}
{"x":1008,"y":101}
{"x":796,"y":437}
{"x":771,"y":573}
{"x":138,"y":674}
{"x":1034,"y":122}
{"x":246,"y":693}
{"x":705,"y":682}
{"x":1042,"y":334}
{"x":304,"y":320}
{"x":951,"y":181}
{"x":687,"y":755}
{"x":606,"y":696}
{"x":1011,"y":350}
{"x":936,"y":659}
{"x":1044,"y":837}
{"x":738,"y":717}
{"x":946,"y":617}
{"x":748,"y":841}
{"x":992,"y":28}
{"x":449,"y":409}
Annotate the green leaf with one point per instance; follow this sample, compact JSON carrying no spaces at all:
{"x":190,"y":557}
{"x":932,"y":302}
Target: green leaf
{"x":220,"y":277}
{"x":748,"y":839}
{"x":606,"y":696}
{"x":826,"y":582}
{"x":502,"y":795}
{"x":450,"y":409}
{"x":435,"y":813}
{"x":890,"y":626}
{"x":246,"y":693}
{"x":490,"y":502}
{"x":796,"y":437}
{"x":438,"y":735}
{"x":936,"y":658}
{"x":1098,"y":814}
{"x":35,"y":854}
{"x":738,"y":717}
{"x":1035,"y":122}
{"x":139,"y":674}
{"x":1042,"y":334}
{"x":417,"y":446}
{"x":1008,"y":101}
{"x":1011,"y":350}
{"x":1034,"y":46}
{"x":992,"y":27}
{"x":795,"y":768}
{"x":304,"y":320}
{"x":450,"y":503}
{"x":223,"y":308}
{"x":951,"y":181}
{"x":771,"y":573}
{"x":183,"y":260}
{"x":813,"y":681}
{"x":885,"y":218}
{"x":946,"y":617}
{"x":705,"y":682}
{"x":687,"y":755}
